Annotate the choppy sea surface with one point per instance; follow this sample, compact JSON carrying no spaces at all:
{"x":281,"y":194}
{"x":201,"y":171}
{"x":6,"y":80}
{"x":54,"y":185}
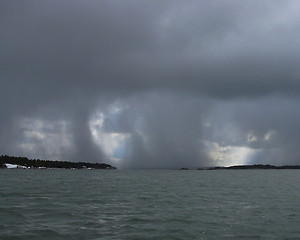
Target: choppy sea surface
{"x":100,"y":204}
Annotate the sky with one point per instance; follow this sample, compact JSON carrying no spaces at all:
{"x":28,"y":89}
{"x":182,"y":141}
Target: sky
{"x":151,"y":84}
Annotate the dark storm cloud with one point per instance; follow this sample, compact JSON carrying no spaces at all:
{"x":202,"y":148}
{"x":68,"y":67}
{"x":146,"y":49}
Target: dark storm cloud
{"x":215,"y":48}
{"x":62,"y":60}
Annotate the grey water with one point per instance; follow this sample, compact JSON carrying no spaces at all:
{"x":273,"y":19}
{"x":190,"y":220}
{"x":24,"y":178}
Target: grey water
{"x":100,"y":204}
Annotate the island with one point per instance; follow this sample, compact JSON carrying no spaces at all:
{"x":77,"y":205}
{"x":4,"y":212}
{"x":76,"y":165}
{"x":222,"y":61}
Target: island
{"x":24,"y":162}
{"x":255,"y":166}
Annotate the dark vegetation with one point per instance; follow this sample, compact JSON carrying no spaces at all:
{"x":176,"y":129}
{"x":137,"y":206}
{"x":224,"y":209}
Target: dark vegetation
{"x":37,"y":163}
{"x":257,"y":166}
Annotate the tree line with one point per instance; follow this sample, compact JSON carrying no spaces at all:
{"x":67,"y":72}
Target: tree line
{"x":37,"y":163}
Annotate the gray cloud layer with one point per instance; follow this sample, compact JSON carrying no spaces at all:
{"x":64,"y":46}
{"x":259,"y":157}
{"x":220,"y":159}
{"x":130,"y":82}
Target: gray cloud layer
{"x":184,"y":75}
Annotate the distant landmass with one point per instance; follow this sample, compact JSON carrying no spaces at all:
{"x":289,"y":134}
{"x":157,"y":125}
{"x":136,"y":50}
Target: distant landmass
{"x":256,"y":166}
{"x":24,"y":162}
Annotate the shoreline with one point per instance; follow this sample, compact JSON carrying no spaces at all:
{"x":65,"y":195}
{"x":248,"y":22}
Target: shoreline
{"x":11,"y":162}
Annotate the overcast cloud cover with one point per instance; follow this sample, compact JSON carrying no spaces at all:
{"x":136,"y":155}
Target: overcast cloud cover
{"x":151,"y":84}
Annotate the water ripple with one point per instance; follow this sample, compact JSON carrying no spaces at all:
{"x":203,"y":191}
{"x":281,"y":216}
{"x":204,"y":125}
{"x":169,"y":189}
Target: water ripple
{"x":69,"y":204}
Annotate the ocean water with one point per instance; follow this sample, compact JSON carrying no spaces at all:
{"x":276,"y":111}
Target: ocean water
{"x":99,"y":204}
